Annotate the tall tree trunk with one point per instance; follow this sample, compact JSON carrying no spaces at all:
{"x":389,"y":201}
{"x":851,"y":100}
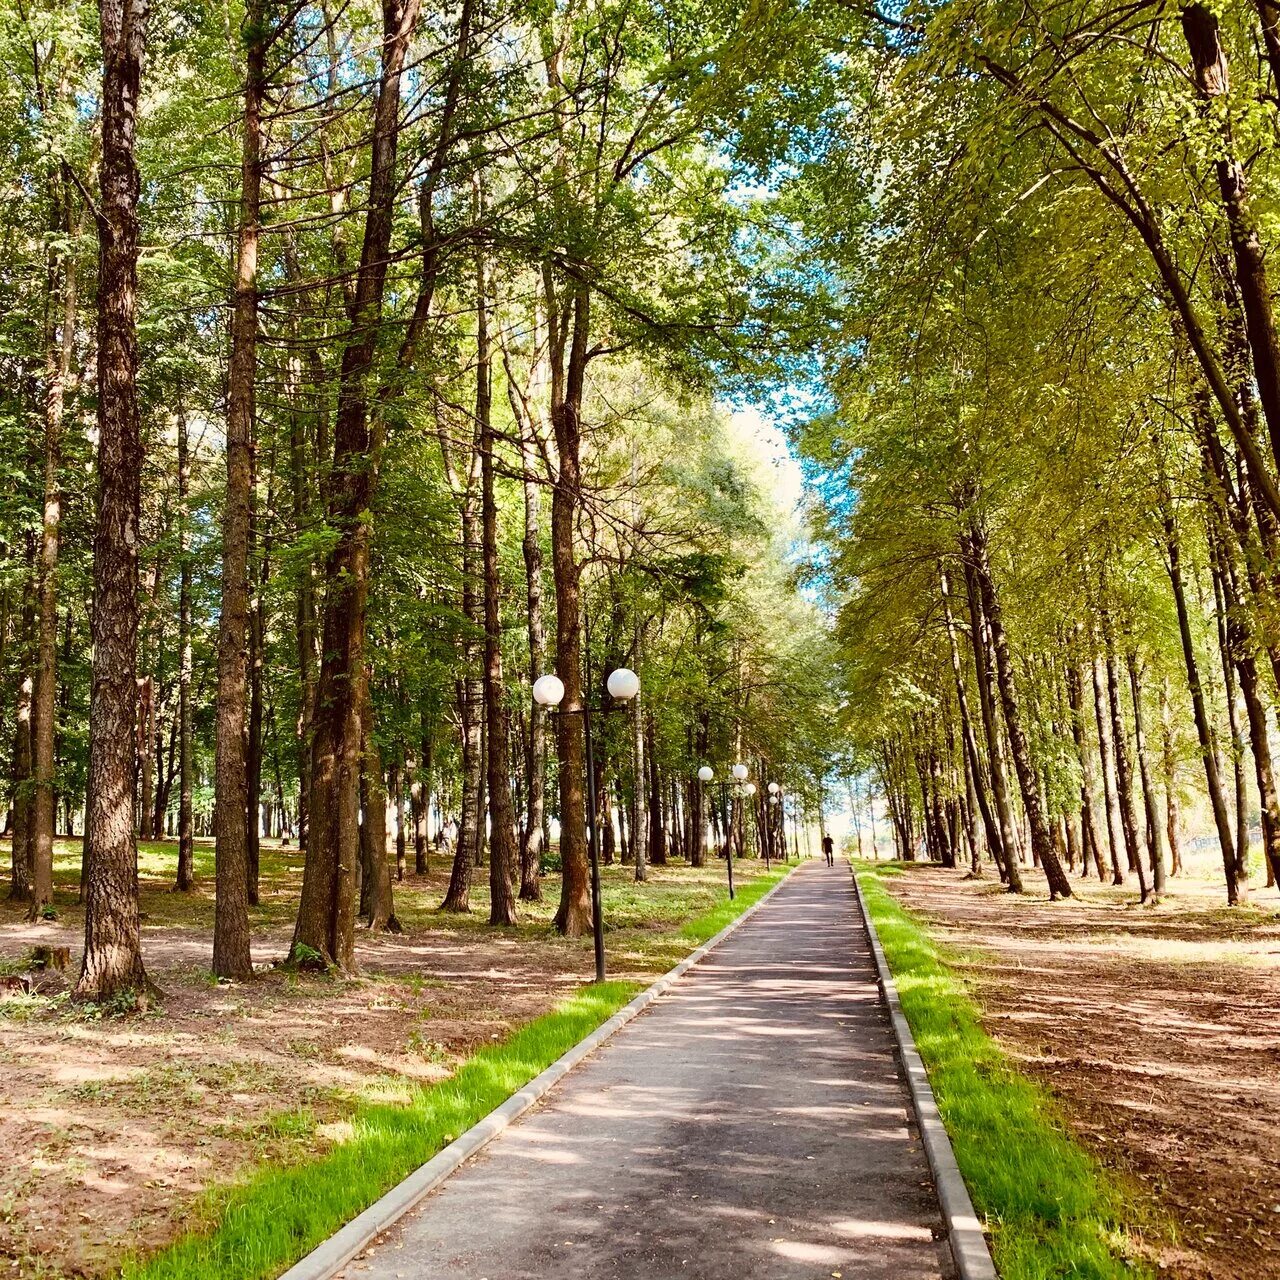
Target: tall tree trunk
{"x":377,"y":904}
{"x":639,"y":809}
{"x":60,"y":350}
{"x":568,"y":375}
{"x":503,"y":853}
{"x":326,"y":914}
{"x":20,"y":887}
{"x":1212,"y":82}
{"x":972,"y":761}
{"x":421,"y":796}
{"x":186,"y":877}
{"x":397,"y":793}
{"x":112,"y":963}
{"x":259,"y":546}
{"x":1124,"y":767}
{"x":1168,"y":763}
{"x":534,"y":835}
{"x":1019,"y":748}
{"x":231,"y":957}
{"x":1008,"y":844}
{"x":1155,"y":849}
{"x":1236,"y":893}
{"x":1088,"y":828}
{"x":1105,"y":756}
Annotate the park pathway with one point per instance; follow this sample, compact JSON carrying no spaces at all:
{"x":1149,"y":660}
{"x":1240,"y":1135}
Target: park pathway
{"x":752,"y":1123}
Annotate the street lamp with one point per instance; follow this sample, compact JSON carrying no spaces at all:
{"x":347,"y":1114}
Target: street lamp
{"x":548,"y":691}
{"x":740,"y":771}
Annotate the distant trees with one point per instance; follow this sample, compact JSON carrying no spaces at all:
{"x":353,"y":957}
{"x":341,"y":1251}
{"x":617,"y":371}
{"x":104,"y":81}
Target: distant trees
{"x":409,"y":399}
{"x":1049,"y":380}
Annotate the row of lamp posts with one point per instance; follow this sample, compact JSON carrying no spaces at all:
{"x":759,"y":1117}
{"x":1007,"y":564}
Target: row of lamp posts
{"x":623,"y":684}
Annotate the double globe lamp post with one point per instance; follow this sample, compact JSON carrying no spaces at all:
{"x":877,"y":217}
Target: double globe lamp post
{"x":548,"y":691}
{"x":745,"y":789}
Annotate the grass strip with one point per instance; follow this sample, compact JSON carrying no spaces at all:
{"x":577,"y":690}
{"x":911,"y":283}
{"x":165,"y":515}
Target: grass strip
{"x":261,"y":1226}
{"x":704,"y":927}
{"x":1050,"y":1208}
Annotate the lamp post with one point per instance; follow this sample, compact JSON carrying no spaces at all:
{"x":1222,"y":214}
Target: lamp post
{"x":548,"y":691}
{"x":706,"y":774}
{"x":773,"y":811}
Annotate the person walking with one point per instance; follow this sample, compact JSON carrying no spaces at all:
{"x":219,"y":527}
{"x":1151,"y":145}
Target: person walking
{"x":829,"y":848}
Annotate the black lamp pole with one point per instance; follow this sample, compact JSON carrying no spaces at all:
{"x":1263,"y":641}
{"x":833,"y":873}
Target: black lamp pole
{"x":593,"y":844}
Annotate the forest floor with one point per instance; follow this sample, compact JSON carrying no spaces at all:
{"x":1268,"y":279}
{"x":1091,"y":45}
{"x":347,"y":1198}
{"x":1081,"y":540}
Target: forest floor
{"x":123,"y":1122}
{"x":1156,"y":1028}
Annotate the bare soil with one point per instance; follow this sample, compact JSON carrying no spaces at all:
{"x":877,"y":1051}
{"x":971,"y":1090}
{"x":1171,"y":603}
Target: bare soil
{"x":1157,"y":1028}
{"x":113,"y":1125}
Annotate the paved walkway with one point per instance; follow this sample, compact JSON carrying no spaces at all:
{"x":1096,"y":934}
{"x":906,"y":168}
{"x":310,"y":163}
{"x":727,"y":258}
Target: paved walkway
{"x":752,"y":1123}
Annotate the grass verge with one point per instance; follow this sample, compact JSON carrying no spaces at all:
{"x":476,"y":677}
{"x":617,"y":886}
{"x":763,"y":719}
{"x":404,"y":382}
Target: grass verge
{"x":1050,"y":1209}
{"x":261,"y":1226}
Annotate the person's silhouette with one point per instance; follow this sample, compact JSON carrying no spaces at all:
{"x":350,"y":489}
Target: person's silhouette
{"x":829,"y":848}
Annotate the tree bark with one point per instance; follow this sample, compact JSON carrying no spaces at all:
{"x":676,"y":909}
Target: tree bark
{"x":326,"y":915}
{"x":1089,"y":829}
{"x":1212,"y":82}
{"x":60,"y":351}
{"x":231,"y":957}
{"x":1106,"y":760}
{"x":568,"y":374}
{"x":1235,"y":895}
{"x":112,"y":965}
{"x":1007,"y":845}
{"x":503,"y":854}
{"x":186,"y":878}
{"x":377,"y":904}
{"x":1041,"y":843}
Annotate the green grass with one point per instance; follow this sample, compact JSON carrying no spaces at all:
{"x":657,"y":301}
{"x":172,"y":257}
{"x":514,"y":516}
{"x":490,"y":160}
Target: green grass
{"x":260,"y":1226}
{"x":1050,"y":1208}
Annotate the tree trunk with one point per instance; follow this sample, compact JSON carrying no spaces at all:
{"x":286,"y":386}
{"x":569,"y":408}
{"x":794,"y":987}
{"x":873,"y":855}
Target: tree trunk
{"x":112,"y":964}
{"x":639,"y":809}
{"x":972,"y":761}
{"x":1124,"y":768}
{"x":186,"y":877}
{"x":377,"y":904}
{"x":1088,"y":828}
{"x":1210,"y":75}
{"x":231,"y":957}
{"x":60,"y":350}
{"x":1007,"y":843}
{"x":1110,"y":796}
{"x":1168,"y":762}
{"x":326,"y":914}
{"x":20,"y":887}
{"x":397,"y":792}
{"x":568,"y":373}
{"x":1235,"y":892}
{"x":1059,"y":884}
{"x":503,"y":853}
{"x":1154,"y":848}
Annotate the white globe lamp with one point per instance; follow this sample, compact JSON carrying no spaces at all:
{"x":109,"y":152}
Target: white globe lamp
{"x":548,"y":691}
{"x":740,"y":772}
{"x":706,"y":773}
{"x":623,"y":684}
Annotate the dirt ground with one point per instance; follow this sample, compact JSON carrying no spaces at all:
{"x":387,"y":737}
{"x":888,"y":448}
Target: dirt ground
{"x":1159,"y":1031}
{"x":121,"y":1122}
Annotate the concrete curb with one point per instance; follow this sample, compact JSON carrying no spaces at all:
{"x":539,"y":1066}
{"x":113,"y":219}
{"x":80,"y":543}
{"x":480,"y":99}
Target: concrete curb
{"x":327,"y":1259}
{"x":964,"y":1230}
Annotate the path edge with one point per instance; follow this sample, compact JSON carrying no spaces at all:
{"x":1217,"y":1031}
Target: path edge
{"x":329,"y":1257}
{"x":965,"y":1235}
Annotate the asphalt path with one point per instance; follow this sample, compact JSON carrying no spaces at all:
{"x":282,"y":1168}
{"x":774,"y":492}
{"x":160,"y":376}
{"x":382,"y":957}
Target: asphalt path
{"x":753,"y":1122}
